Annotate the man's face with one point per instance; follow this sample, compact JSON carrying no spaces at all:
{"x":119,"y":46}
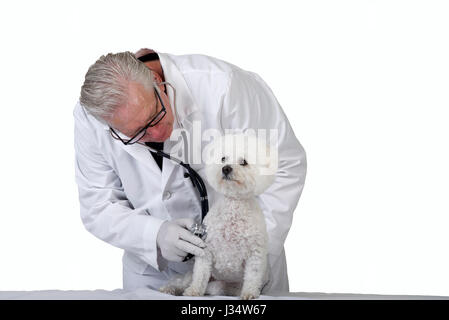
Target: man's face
{"x":142,"y":106}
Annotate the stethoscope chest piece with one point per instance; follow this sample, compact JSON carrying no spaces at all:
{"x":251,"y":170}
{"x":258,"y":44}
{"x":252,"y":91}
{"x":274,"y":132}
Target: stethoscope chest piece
{"x":199,"y":230}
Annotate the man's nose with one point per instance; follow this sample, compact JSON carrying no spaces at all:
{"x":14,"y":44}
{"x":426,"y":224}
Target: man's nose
{"x":226,"y":170}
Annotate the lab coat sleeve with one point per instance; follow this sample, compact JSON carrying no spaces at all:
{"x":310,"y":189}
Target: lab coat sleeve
{"x":250,"y":104}
{"x":104,"y":208}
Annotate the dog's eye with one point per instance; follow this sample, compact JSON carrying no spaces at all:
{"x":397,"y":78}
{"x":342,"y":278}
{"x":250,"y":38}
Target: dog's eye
{"x":243,"y":162}
{"x":223,"y":159}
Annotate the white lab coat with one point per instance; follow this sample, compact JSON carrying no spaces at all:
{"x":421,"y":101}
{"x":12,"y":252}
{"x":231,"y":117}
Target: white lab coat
{"x":124,"y":196}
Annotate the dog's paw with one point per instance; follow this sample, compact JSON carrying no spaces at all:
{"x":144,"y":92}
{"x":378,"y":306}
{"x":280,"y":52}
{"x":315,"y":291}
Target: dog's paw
{"x":170,"y":290}
{"x":249,"y":294}
{"x":191,"y":291}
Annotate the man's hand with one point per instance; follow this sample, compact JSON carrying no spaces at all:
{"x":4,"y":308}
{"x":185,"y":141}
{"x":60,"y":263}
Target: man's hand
{"x":143,"y":52}
{"x":176,"y":241}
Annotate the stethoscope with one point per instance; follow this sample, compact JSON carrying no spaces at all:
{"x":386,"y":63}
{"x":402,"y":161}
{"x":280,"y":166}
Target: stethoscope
{"x":194,"y":176}
{"x":198,"y":229}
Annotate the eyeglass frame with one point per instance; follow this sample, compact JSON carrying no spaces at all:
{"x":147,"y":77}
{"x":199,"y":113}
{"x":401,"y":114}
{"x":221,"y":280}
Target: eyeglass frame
{"x":149,"y":125}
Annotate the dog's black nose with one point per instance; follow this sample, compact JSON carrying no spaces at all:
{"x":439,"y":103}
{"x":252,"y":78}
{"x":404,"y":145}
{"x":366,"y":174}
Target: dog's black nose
{"x":226,"y":170}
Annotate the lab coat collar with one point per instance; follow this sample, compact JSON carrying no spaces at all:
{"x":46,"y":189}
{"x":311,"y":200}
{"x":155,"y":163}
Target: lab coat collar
{"x":185,"y":103}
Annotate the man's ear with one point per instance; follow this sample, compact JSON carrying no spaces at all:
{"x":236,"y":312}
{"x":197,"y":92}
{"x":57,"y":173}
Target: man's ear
{"x":158,"y":79}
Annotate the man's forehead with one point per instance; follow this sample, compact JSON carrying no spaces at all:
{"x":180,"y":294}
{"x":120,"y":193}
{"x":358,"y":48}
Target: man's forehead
{"x":126,"y":114}
{"x":137,"y":93}
{"x":133,"y":112}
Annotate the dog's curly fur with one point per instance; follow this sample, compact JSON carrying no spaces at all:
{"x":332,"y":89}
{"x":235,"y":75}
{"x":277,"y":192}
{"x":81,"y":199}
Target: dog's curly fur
{"x":235,"y":260}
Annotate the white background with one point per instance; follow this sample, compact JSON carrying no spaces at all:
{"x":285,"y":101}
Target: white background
{"x":364,"y":84}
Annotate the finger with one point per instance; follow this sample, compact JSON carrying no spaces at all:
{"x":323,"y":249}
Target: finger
{"x":175,"y":254}
{"x":172,"y":252}
{"x":186,"y":222}
{"x":190,"y":237}
{"x":190,"y":248}
{"x":175,"y":258}
{"x":179,"y":251}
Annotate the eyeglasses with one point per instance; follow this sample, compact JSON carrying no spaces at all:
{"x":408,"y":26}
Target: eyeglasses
{"x":139,"y":135}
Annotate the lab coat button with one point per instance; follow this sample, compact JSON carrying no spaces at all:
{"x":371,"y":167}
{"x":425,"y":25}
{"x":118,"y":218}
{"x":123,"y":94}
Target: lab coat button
{"x":167,"y":195}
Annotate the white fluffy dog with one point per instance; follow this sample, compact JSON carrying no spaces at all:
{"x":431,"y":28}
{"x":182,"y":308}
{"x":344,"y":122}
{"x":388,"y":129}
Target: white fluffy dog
{"x":235,"y":262}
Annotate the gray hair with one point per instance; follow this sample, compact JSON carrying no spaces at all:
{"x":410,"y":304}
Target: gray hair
{"x":106,"y":83}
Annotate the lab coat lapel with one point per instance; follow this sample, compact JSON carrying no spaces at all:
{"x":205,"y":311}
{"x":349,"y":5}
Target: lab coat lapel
{"x":137,"y":151}
{"x":142,"y":154}
{"x":183,"y":107}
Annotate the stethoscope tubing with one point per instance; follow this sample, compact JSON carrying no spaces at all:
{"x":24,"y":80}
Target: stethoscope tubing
{"x":196,"y":180}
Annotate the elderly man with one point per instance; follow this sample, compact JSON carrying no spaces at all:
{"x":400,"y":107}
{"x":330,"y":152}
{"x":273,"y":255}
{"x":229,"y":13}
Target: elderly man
{"x":142,"y":203}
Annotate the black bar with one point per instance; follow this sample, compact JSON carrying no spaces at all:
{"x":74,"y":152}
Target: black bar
{"x":149,"y":57}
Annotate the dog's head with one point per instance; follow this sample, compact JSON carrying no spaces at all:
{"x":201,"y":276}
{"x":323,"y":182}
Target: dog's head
{"x":240,"y":165}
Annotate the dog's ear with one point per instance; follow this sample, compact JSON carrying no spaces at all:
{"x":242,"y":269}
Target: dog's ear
{"x":267,"y":174}
{"x":212,"y":151}
{"x":266,"y":163}
{"x":262,"y":183}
